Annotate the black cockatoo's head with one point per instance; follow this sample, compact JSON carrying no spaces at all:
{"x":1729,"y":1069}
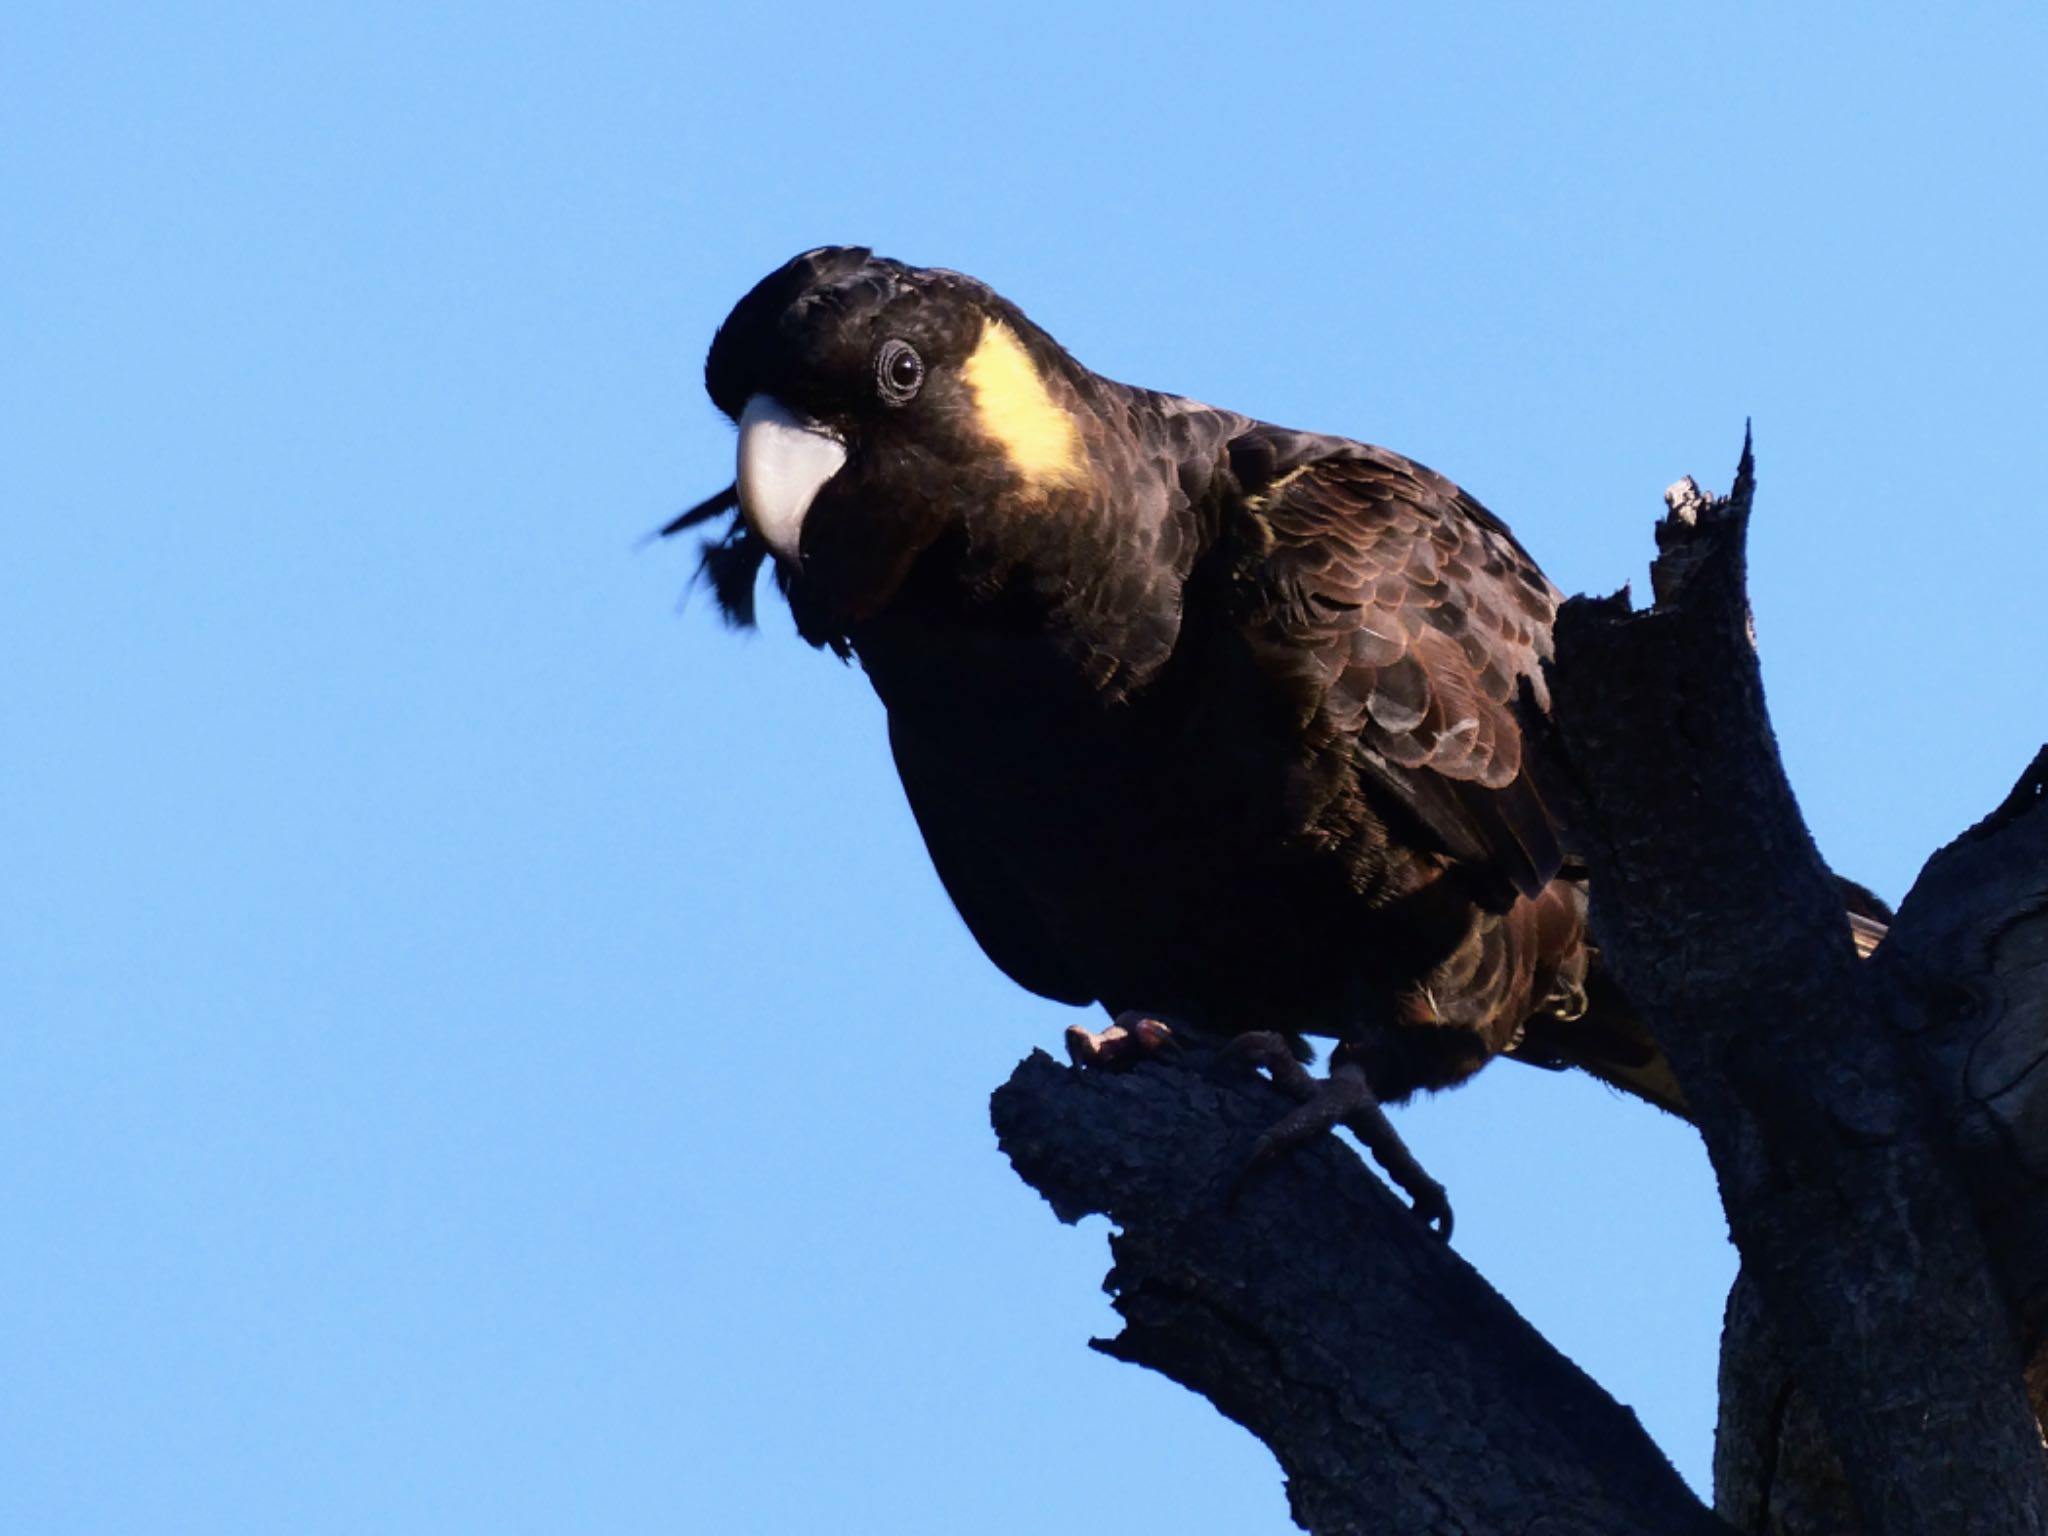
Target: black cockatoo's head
{"x":878,"y":405}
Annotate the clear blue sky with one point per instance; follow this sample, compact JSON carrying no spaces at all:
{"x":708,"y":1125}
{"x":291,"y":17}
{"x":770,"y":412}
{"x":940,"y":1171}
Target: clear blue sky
{"x":483,"y":1052}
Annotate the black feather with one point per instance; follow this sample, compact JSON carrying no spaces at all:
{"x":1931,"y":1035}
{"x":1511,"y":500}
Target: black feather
{"x":729,"y":566}
{"x":725,"y":501}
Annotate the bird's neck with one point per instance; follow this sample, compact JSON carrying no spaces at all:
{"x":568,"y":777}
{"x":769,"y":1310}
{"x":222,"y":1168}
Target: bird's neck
{"x":1074,"y":596}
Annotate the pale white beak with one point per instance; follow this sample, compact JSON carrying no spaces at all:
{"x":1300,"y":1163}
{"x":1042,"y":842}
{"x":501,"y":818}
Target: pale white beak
{"x":784,"y":462}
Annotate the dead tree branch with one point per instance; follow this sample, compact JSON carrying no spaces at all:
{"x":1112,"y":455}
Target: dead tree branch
{"x":1722,"y":925}
{"x":1397,"y":1389}
{"x":1963,"y":982}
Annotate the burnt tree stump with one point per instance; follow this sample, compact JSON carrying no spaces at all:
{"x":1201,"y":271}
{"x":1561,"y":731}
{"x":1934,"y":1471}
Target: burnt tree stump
{"x":1879,"y":1130}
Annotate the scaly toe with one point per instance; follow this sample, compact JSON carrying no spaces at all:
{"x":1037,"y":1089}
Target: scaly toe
{"x":1131,"y":1038}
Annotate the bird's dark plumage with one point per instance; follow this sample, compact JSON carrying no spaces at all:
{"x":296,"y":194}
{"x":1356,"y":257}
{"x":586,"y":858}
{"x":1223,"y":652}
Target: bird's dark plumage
{"x":1198,"y":715}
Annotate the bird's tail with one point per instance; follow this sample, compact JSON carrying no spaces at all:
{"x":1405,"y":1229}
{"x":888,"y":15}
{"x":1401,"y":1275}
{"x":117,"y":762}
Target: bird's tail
{"x":1602,"y":1034}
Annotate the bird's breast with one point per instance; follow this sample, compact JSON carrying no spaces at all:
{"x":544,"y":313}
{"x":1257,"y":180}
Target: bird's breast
{"x":1159,"y":844}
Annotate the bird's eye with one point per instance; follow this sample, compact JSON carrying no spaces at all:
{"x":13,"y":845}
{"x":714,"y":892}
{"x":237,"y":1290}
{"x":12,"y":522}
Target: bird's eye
{"x":899,"y":372}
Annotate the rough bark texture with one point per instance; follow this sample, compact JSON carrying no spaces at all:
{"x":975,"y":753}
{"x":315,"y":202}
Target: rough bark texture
{"x":1879,"y":1129}
{"x":1724,"y":928}
{"x":1397,"y":1389}
{"x":1963,"y":979}
{"x":1775,"y":1474}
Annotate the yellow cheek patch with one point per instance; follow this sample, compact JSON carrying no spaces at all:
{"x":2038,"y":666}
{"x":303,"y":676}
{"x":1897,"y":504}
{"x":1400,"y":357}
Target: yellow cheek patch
{"x":1018,"y":412}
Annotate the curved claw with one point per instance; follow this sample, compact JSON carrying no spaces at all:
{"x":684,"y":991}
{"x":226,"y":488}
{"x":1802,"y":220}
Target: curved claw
{"x":1434,"y":1207}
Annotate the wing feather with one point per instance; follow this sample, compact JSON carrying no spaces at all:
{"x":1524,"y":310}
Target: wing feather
{"x":1404,"y":616}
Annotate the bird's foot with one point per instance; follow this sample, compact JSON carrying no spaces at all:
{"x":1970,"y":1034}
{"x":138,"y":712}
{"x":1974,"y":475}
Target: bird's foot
{"x":1343,"y":1098}
{"x":1132,"y":1037}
